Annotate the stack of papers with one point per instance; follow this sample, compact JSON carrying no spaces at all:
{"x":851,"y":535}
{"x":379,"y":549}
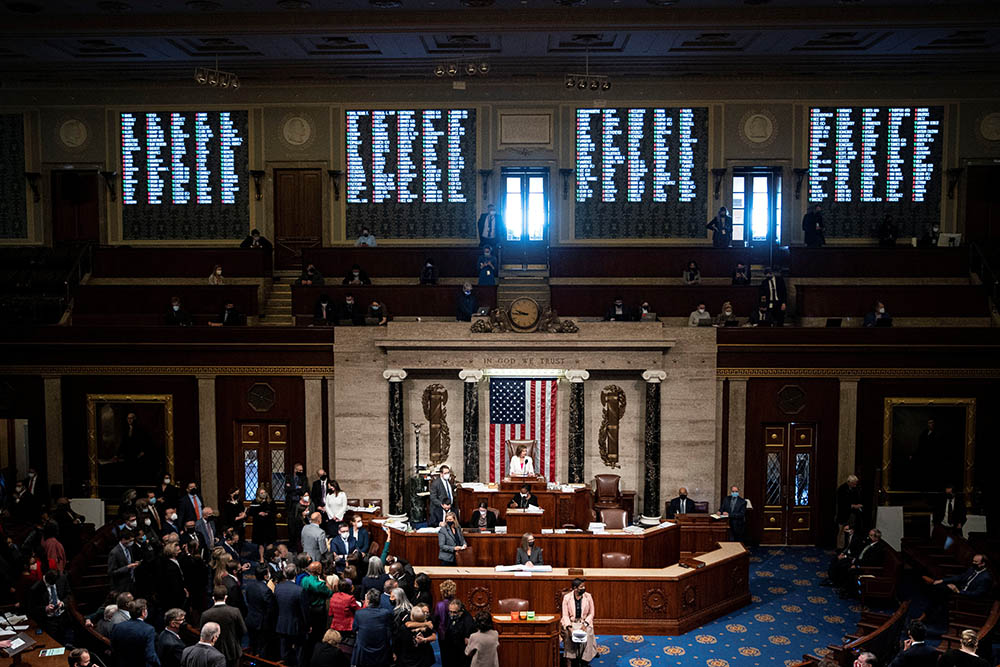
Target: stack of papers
{"x":596,"y":526}
{"x":429,"y":529}
{"x":479,"y":487}
{"x":523,"y":568}
{"x":634,"y":529}
{"x":664,"y":524}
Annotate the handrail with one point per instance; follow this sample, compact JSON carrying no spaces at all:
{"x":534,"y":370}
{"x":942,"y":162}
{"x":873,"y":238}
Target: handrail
{"x":979,"y":264}
{"x":83,"y":265}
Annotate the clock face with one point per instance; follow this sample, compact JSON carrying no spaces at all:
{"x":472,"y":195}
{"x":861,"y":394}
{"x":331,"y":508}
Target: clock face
{"x":524,"y":313}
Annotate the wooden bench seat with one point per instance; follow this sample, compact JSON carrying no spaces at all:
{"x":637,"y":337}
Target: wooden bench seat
{"x":914,"y":300}
{"x":393,"y":261}
{"x":673,"y":301}
{"x":400,"y":300}
{"x":131,"y":305}
{"x":179,"y":262}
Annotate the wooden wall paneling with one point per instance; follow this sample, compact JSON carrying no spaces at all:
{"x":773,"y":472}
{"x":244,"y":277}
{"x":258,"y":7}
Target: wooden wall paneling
{"x":394,"y":261}
{"x":665,"y":300}
{"x":400,"y":300}
{"x":160,"y":261}
{"x":916,"y":300}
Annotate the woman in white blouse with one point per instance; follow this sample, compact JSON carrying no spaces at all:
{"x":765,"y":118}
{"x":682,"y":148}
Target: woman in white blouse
{"x":336,"y":502}
{"x":521,"y":464}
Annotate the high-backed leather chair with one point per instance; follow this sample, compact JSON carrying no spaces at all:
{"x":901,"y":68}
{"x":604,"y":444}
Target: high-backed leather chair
{"x":372,"y":502}
{"x":508,"y":605}
{"x":616,"y":559}
{"x":354,"y":502}
{"x":613,"y":518}
{"x":511,"y":449}
{"x":701,"y":506}
{"x":607,"y":491}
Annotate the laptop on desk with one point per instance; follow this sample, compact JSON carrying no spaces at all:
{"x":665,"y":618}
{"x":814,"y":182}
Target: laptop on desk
{"x":705,"y":322}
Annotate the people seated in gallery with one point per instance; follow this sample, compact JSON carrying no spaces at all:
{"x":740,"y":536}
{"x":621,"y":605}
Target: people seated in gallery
{"x":528,"y":554}
{"x":761,"y":315}
{"x":521,"y":464}
{"x":726,"y":318}
{"x":366,"y":239}
{"x":324,"y":313}
{"x":487,"y":267}
{"x":350,"y":313}
{"x":229,"y":316}
{"x":429,"y":273}
{"x":700,"y":317}
{"x":930,"y":237}
{"x":741,"y":274}
{"x":377,"y":314}
{"x":877,"y":317}
{"x":215,"y":278}
{"x":618,"y":312}
{"x":356,"y":277}
{"x":310,"y":276}
{"x":467,"y":304}
{"x":176,"y":315}
{"x":692,"y":274}
{"x":646,"y":313}
{"x":255,"y":240}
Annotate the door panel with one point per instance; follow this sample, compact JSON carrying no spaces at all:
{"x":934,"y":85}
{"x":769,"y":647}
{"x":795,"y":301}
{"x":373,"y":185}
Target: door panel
{"x":298,"y":214}
{"x":263,"y":461}
{"x":789,"y":478}
{"x":525,"y":202}
{"x":75,"y":209}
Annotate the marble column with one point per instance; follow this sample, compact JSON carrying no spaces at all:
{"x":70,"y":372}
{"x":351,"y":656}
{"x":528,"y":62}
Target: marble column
{"x":737,"y":431}
{"x":848,"y":428}
{"x":54,"y":431}
{"x":651,"y":490}
{"x":314,"y":422}
{"x":470,"y":425}
{"x":577,"y":425}
{"x":330,"y":442}
{"x":397,"y":471}
{"x":208,"y":445}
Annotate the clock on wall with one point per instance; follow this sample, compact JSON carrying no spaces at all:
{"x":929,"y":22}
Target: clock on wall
{"x":261,"y":397}
{"x":524,"y":314}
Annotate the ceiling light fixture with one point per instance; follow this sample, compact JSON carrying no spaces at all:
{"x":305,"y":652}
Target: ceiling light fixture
{"x":587,"y":81}
{"x":215,"y":77}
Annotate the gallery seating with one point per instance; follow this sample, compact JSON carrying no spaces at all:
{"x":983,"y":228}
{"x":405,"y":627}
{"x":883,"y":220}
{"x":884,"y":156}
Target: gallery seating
{"x":876,"y":633}
{"x":131,"y":305}
{"x":400,"y":300}
{"x":159,"y":261}
{"x":984,"y":629}
{"x":914,"y":300}
{"x":879,"y":584}
{"x":666,"y":301}
{"x":393,"y":261}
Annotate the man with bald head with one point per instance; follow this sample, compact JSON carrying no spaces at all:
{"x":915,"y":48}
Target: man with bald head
{"x":204,"y":653}
{"x":314,"y":537}
{"x":681,"y":504}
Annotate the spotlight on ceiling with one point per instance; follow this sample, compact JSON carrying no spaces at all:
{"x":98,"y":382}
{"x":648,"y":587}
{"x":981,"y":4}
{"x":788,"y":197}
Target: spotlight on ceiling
{"x":206,"y":76}
{"x":484,"y":67}
{"x":606,"y":85}
{"x":200,"y":75}
{"x":213,"y":78}
{"x":570,"y":82}
{"x":471,"y":69}
{"x":439,"y":71}
{"x":594,"y":84}
{"x":582,"y":84}
{"x":234,"y":83}
{"x":452,"y":69}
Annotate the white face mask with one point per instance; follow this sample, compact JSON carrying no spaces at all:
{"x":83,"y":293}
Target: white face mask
{"x":176,"y":308}
{"x":218,"y":272}
{"x":305,"y":499}
{"x":445,"y":475}
{"x":701,"y":310}
{"x":173,"y":517}
{"x":728,"y":313}
{"x":881,"y":311}
{"x":147,"y":522}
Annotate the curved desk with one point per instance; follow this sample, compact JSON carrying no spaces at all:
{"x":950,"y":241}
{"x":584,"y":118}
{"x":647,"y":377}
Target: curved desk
{"x":657,"y":601}
{"x":656,"y":547}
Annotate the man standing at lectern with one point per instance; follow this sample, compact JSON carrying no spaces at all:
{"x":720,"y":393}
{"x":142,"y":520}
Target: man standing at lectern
{"x":735,"y":507}
{"x":442,"y":491}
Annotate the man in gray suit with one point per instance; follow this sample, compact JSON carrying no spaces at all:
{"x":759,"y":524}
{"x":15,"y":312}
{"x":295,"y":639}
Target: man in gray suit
{"x":314,"y":537}
{"x":121,"y":562}
{"x":442,"y":491}
{"x":230,"y":622}
{"x":204,"y":653}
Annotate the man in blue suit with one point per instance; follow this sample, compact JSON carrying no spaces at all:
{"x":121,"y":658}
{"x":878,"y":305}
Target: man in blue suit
{"x":915,"y":652}
{"x":342,"y":546}
{"x":373,"y":625}
{"x":260,"y":609}
{"x":292,"y":624}
{"x":975,"y":582}
{"x":134,"y":641}
{"x":735,"y":507}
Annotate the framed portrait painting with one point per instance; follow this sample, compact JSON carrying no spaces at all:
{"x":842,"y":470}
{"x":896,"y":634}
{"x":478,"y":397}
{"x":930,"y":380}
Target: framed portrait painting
{"x":927,"y":443}
{"x":130,"y":441}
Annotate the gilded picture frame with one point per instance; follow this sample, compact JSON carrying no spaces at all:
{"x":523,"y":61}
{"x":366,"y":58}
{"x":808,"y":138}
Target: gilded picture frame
{"x":102,"y":407}
{"x":918,"y":459}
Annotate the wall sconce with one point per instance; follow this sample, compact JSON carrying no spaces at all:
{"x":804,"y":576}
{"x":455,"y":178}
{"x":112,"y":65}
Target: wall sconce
{"x":335,"y":176}
{"x":566,"y":173}
{"x":800,"y":174}
{"x":109,"y":182}
{"x":718,"y":174}
{"x":486,"y":173}
{"x":257,"y":175}
{"x":954,"y":176}
{"x":32,"y":178}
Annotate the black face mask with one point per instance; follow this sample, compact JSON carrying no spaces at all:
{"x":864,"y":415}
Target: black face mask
{"x":683,"y":496}
{"x":531,"y":543}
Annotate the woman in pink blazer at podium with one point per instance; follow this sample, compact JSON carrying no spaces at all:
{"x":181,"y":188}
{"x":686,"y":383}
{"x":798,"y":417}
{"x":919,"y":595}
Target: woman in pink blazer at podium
{"x":578,"y":614}
{"x":521,"y":464}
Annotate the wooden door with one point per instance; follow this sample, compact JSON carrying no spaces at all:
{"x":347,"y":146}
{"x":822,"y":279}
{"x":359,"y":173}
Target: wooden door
{"x":298,"y":214}
{"x":525,"y":207}
{"x":789,"y":503}
{"x":75,"y":209}
{"x":262,"y":459}
{"x":982,"y":204}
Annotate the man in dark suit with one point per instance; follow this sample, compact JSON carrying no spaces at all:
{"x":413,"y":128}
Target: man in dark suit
{"x":176,"y":315}
{"x":134,"y":641}
{"x":205,"y":527}
{"x":260,"y":609}
{"x":343,"y":545}
{"x":171,"y":589}
{"x":350,"y":312}
{"x":735,"y":507}
{"x":915,"y":652}
{"x":482,"y":518}
{"x":373,"y":645}
{"x":169,"y":646}
{"x":296,"y":486}
{"x":47,"y":605}
{"x":234,"y":590}
{"x":361,"y":536}
{"x":318,"y":490}
{"x":231,"y":623}
{"x":849,"y":505}
{"x":813,"y":228}
{"x":442,"y":490}
{"x":404,"y":578}
{"x":618,"y":312}
{"x":191,"y":505}
{"x":842,"y":560}
{"x":255,"y":240}
{"x":976,"y":582}
{"x":491,"y":228}
{"x":681,"y":504}
{"x":773,"y":290}
{"x":204,"y":653}
{"x":122,"y":562}
{"x":524,"y":498}
{"x":292,"y":608}
{"x":949,"y":511}
{"x":325,"y":313}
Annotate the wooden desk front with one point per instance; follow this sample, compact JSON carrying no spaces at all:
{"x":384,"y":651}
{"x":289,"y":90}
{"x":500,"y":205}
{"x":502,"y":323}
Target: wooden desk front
{"x":655,"y":548}
{"x":523,"y":643}
{"x":560,"y":508}
{"x":663,"y":601}
{"x":701,"y":533}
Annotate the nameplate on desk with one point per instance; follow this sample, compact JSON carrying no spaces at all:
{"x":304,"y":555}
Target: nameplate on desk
{"x":691,"y":563}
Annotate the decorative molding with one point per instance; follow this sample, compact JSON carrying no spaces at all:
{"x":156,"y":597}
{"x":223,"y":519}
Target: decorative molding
{"x":689,"y":596}
{"x":576,"y":375}
{"x":297,"y":131}
{"x":654,"y":601}
{"x":470,"y":376}
{"x":988,"y":126}
{"x":654,"y":376}
{"x":480,"y":598}
{"x":73,"y":133}
{"x":439,"y":437}
{"x":857,"y":373}
{"x":320,"y":371}
{"x":758,"y":128}
{"x":394,"y":374}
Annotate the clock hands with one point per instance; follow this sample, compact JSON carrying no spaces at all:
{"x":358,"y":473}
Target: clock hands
{"x":520,"y":312}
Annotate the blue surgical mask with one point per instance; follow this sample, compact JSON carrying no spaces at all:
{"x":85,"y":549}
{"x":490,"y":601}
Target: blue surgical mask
{"x":736,"y":494}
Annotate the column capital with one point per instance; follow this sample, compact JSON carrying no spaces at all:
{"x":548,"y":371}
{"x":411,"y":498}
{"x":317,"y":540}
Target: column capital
{"x":576,"y":376}
{"x":470,"y":375}
{"x":654,"y":376}
{"x":394,"y":374}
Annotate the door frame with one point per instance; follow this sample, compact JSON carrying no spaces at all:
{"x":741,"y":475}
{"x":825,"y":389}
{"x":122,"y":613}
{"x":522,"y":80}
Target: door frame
{"x":790,"y":515}
{"x":103,"y":201}
{"x":333,"y":227}
{"x":529,"y":171}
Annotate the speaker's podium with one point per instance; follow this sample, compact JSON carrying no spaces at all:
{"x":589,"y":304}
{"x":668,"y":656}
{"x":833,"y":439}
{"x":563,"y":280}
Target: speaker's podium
{"x":513,"y":483}
{"x":524,"y":521}
{"x":524,"y":642}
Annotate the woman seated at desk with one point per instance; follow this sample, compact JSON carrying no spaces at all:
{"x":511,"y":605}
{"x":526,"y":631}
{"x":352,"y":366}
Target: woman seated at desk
{"x":483,"y":519}
{"x":521,"y":464}
{"x":523,"y":499}
{"x":578,"y":616}
{"x":528,"y":554}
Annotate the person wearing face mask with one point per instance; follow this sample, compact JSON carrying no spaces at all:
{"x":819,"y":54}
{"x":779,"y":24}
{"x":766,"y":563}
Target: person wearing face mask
{"x":366,"y":239}
{"x":722,"y":229}
{"x":878,"y":317}
{"x":298,"y":518}
{"x":681,"y":504}
{"x":229,"y":316}
{"x":523,"y":499}
{"x":377,"y":314}
{"x":206,"y":529}
{"x":342,"y":545}
{"x":700,"y":316}
{"x":350,"y":312}
{"x":618,"y":311}
{"x":646,"y":313}
{"x":215,"y":278}
{"x":467,"y":303}
{"x":949,"y":511}
{"x":122,"y":562}
{"x":528,"y":554}
{"x":458,"y":627}
{"x":167,"y":493}
{"x":578,"y":623}
{"x":46,"y":602}
{"x":360,"y":534}
{"x":190,"y":506}
{"x":442,"y":490}
{"x":844,"y":558}
{"x":255,"y":240}
{"x":487,"y":267}
{"x":490,"y":227}
{"x":741,"y":274}
{"x":356,"y":277}
{"x":176,"y":315}
{"x":310,"y":276}
{"x":429,"y":273}
{"x":726,"y":316}
{"x":263,"y":515}
{"x":22,"y":505}
{"x":692,"y":274}
{"x":483,"y":519}
{"x":134,"y":641}
{"x":324,"y":313}
{"x":930,"y":237}
{"x":735,"y":507}
{"x":232,"y":514}
{"x":297,"y":485}
{"x":450,"y":540}
{"x":761,"y":317}
{"x":170,"y":522}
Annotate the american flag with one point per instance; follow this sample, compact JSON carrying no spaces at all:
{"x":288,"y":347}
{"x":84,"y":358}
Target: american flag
{"x":523,"y":409}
